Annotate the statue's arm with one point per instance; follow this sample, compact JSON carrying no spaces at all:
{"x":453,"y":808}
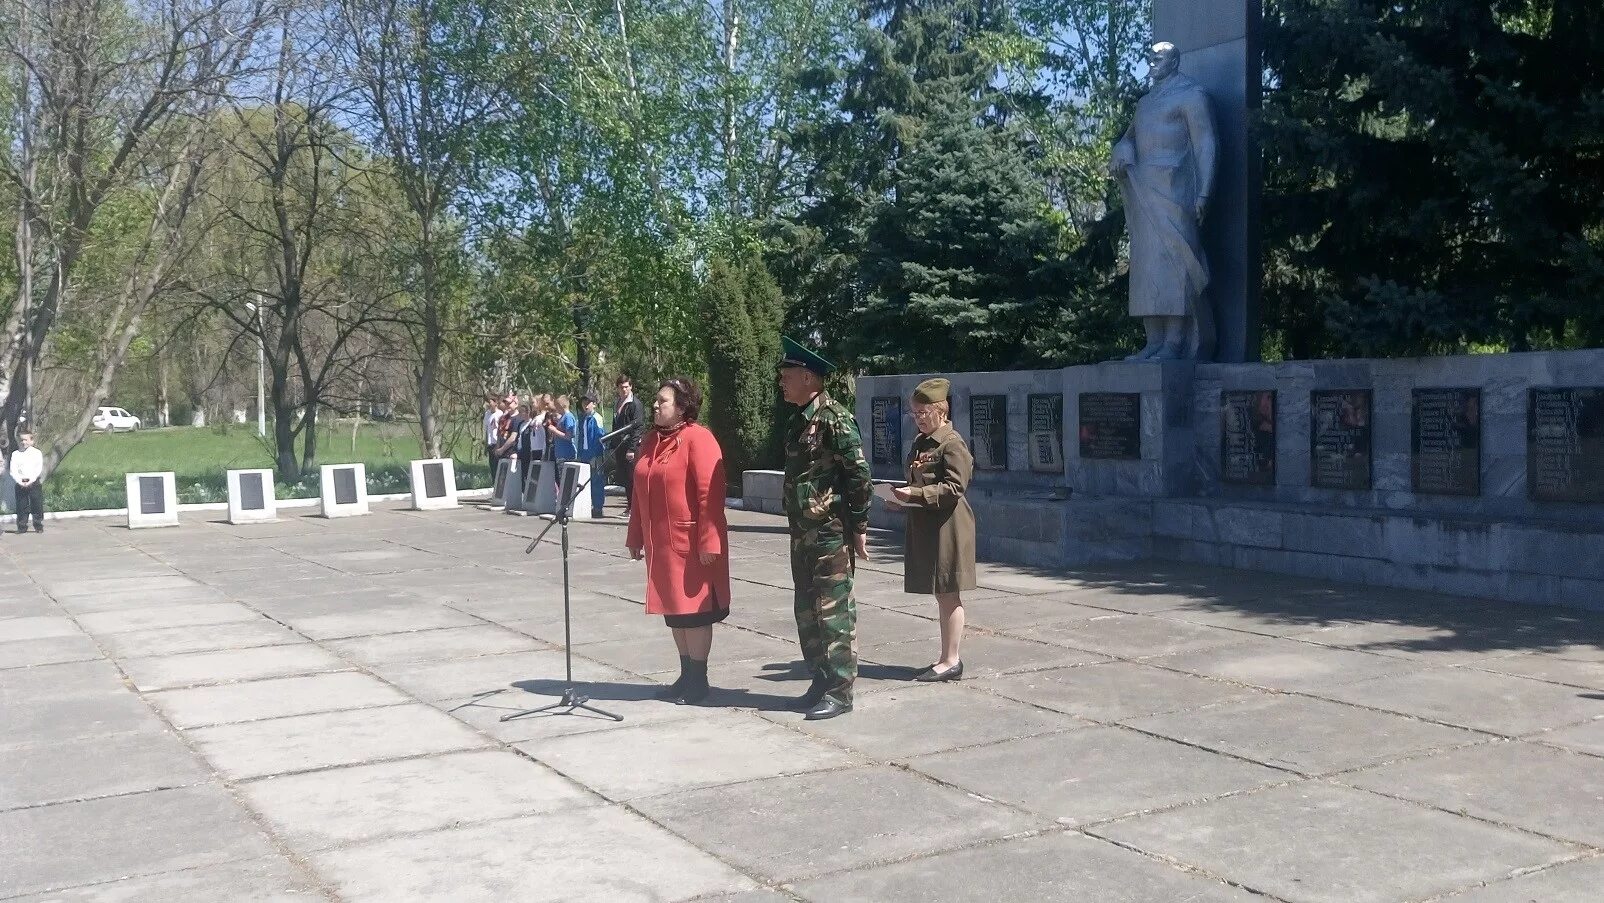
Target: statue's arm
{"x":1205,"y":142}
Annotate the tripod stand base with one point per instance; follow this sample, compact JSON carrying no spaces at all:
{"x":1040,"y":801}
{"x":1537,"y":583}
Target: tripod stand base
{"x":571,"y":704}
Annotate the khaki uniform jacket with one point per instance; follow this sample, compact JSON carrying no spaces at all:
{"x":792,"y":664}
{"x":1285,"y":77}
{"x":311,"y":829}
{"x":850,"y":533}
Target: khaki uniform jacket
{"x":940,"y":535}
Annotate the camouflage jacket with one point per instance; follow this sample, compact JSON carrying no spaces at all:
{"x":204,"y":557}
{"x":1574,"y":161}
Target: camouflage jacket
{"x":827,"y":485}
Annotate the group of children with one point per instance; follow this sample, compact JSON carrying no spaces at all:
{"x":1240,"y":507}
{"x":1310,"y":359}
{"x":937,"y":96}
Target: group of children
{"x":544,"y":429}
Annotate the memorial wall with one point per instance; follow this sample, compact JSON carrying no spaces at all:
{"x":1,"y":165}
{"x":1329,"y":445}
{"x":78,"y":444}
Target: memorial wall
{"x":1479,"y":474}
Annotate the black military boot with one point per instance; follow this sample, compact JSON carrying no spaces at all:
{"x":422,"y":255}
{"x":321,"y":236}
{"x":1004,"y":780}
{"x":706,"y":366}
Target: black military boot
{"x":671,"y":693}
{"x":816,"y":691}
{"x":828,"y":707}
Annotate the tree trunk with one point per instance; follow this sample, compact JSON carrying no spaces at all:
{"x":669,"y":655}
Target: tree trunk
{"x":309,"y":438}
{"x":429,"y":365}
{"x":164,"y":413}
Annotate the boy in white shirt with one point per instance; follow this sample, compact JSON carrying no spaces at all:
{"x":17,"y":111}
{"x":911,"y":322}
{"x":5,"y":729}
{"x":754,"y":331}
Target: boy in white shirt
{"x":27,"y":471}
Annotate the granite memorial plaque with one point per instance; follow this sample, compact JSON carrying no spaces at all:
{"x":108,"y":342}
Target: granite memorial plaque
{"x":251,"y":496}
{"x":1045,"y":416}
{"x":885,"y":435}
{"x":988,"y":431}
{"x":1445,"y":441}
{"x":1111,"y":425}
{"x":1565,"y":444}
{"x":1247,"y":437}
{"x":434,"y":480}
{"x":1339,"y":439}
{"x":345,"y":486}
{"x":152,"y":495}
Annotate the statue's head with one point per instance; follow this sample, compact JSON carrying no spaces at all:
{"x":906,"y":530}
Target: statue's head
{"x":1163,"y":59}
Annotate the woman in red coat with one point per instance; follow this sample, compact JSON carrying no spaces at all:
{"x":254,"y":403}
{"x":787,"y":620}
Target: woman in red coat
{"x":677,"y":524}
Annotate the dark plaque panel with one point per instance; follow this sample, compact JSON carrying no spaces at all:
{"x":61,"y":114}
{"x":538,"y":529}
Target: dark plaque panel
{"x":251,"y":496}
{"x":1046,"y":420}
{"x":1111,"y":425}
{"x":988,"y":431}
{"x":885,"y":434}
{"x":1339,"y":439}
{"x":1445,"y":441}
{"x":434,"y":480}
{"x":345,"y":486}
{"x":501,"y":478}
{"x":1565,"y":444}
{"x":152,"y":495}
{"x":1247,"y":437}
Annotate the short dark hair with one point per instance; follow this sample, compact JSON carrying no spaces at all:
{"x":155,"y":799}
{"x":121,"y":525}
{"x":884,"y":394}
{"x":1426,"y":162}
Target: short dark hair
{"x":687,"y":397}
{"x":623,"y":378}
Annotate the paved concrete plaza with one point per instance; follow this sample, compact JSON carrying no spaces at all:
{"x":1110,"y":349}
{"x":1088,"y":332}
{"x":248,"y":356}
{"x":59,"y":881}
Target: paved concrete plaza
{"x":310,"y":710}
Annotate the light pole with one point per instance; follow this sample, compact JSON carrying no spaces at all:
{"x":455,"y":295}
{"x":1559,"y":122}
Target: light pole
{"x":261,"y":371}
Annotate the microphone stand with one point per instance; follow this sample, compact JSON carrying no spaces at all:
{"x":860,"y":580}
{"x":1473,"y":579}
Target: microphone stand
{"x":572,"y":701}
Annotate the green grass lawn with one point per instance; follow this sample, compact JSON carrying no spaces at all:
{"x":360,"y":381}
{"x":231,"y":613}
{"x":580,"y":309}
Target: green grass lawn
{"x":91,"y":476}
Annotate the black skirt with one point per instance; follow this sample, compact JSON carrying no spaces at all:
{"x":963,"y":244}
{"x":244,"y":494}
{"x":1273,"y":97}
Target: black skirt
{"x":699,"y":619}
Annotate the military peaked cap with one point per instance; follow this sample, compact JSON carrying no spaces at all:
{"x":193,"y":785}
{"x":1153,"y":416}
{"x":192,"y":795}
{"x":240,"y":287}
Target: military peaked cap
{"x":793,"y":354}
{"x":932,"y":391}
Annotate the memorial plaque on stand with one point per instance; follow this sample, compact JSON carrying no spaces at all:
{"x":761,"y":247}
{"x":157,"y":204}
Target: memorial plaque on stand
{"x":988,"y":431}
{"x":152,"y":495}
{"x":251,"y":496}
{"x":1045,"y":416}
{"x":1565,"y":444}
{"x":885,"y":435}
{"x":1445,"y":441}
{"x":434,"y":480}
{"x":345,"y":486}
{"x":1111,"y":425}
{"x":1247,"y":437}
{"x":1339,"y":439}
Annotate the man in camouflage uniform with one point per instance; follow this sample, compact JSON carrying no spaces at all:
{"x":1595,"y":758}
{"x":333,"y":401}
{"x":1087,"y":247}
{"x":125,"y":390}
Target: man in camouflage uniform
{"x":827,"y":490}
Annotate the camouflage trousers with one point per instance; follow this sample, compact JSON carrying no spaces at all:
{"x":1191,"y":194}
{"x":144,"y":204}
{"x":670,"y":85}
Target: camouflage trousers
{"x":826,"y":614}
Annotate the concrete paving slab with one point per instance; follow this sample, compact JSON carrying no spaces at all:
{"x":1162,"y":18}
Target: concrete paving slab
{"x":321,"y":809}
{"x":268,"y":880}
{"x":987,"y":655}
{"x":1309,"y":736}
{"x":1573,"y":882}
{"x":49,"y":651}
{"x":633,"y":702}
{"x":192,"y":669}
{"x":158,"y":616}
{"x":1272,"y":618}
{"x":395,"y":619}
{"x":37,"y":628}
{"x":1588,"y":738}
{"x":654,"y":655}
{"x":1286,"y":665}
{"x":1114,"y":691}
{"x":40,"y":606}
{"x":1134,"y":636}
{"x":305,"y":742}
{"x":276,"y":698}
{"x":434,"y":645}
{"x":652,"y":759}
{"x":40,"y":773}
{"x":32,"y":720}
{"x":1317,"y":842}
{"x":877,"y":814}
{"x":124,"y":585}
{"x":1054,"y":866}
{"x":1535,"y":787}
{"x":1094,"y":774}
{"x":44,"y":682}
{"x":1436,"y":644}
{"x":589,"y":855}
{"x":179,"y":640}
{"x":1474,"y":699}
{"x":107,"y":602}
{"x":1541,"y":666}
{"x":927,"y":718}
{"x":538,"y":672}
{"x":1017,"y":612}
{"x":145,"y":833}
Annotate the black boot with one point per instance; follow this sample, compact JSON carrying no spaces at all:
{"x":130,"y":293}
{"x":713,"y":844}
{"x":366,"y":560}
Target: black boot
{"x":816,"y":691}
{"x":671,"y":693}
{"x":696,"y":688}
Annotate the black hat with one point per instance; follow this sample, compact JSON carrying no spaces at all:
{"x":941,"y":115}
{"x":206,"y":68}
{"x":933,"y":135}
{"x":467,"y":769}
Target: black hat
{"x":793,"y":354}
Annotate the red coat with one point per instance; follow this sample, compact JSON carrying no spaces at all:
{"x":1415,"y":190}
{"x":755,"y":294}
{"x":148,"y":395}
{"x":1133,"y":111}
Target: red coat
{"x":678,"y":513}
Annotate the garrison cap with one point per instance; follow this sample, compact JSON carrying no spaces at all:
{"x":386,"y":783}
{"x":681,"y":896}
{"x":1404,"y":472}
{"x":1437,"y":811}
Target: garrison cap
{"x":932,"y":391}
{"x":793,"y":354}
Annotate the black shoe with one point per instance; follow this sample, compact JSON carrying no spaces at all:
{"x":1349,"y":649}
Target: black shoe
{"x":38,"y":528}
{"x":671,"y":693}
{"x":696,"y":688}
{"x":930,"y":675}
{"x":811,"y":698}
{"x":828,"y":707}
{"x":22,"y":529}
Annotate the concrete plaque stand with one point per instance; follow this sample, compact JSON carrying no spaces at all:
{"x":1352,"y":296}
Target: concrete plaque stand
{"x":581,"y":507}
{"x":250,"y":497}
{"x":434,"y":484}
{"x":512,"y":492}
{"x":152,"y":500}
{"x":344,"y":489}
{"x":540,"y":490}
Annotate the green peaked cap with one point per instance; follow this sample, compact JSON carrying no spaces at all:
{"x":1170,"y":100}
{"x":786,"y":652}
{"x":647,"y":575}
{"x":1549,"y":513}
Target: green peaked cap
{"x":795,"y":354}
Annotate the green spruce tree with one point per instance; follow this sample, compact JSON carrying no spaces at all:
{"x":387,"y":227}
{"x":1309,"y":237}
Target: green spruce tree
{"x":742,"y":314}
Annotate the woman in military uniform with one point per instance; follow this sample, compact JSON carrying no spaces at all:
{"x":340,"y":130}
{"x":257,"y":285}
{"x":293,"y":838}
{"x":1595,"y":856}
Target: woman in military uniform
{"x":940,"y":534}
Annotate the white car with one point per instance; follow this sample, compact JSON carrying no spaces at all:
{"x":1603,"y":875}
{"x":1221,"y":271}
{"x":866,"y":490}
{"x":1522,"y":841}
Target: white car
{"x":111,"y":419}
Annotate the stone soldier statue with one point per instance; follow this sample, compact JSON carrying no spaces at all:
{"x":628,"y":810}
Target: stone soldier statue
{"x":827,"y":490}
{"x":1165,"y":168}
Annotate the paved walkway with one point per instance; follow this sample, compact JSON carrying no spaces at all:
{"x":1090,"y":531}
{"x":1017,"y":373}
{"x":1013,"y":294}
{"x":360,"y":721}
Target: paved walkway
{"x":309,"y":710}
